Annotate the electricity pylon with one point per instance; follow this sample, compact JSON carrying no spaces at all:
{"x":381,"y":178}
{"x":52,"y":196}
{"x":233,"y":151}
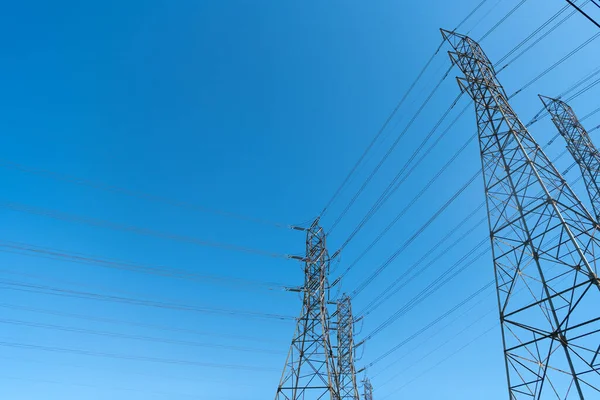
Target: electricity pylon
{"x":345,"y":350}
{"x":544,"y":248}
{"x":367,"y":389}
{"x":579,"y":145}
{"x":309,"y":372}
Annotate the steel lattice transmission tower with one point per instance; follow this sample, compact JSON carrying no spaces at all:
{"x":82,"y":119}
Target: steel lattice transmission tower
{"x":367,"y":389}
{"x":579,"y":145}
{"x":345,"y":350}
{"x":544,"y":248}
{"x":309,"y":372}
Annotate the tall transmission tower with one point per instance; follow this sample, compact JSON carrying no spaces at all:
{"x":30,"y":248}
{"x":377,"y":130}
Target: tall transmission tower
{"x":579,"y":145}
{"x":345,"y":350}
{"x":544,"y":248}
{"x":368,"y":389}
{"x":309,"y":371}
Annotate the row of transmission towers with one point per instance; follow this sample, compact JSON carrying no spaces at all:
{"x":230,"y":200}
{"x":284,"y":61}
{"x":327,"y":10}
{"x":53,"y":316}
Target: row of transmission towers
{"x":545,"y":250}
{"x":320,"y":365}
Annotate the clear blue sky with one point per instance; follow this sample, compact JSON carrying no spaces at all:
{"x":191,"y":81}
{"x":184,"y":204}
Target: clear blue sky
{"x":258,"y":108}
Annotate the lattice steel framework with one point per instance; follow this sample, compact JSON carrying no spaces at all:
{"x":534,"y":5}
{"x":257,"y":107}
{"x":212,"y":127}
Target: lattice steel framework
{"x":345,"y":350}
{"x":367,"y":389}
{"x":309,"y":372}
{"x":579,"y":145}
{"x":544,"y":248}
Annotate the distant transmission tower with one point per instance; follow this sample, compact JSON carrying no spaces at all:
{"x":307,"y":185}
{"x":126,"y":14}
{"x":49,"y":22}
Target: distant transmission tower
{"x":368,"y":390}
{"x":579,"y":145}
{"x":309,"y":372}
{"x":544,"y":248}
{"x":345,"y":350}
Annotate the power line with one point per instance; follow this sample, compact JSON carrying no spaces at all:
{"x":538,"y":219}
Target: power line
{"x":397,"y":182}
{"x":134,"y":229}
{"x":79,"y":258}
{"x":556,"y":64}
{"x":584,"y":13}
{"x":502,"y":20}
{"x":389,"y":152}
{"x":49,"y":290}
{"x":384,"y":126}
{"x":133,"y":193}
{"x":390,"y":117}
{"x":104,"y":387}
{"x":166,"y":328}
{"x":415,"y":235}
{"x":27,"y":346}
{"x":134,"y":337}
{"x":445,"y":359}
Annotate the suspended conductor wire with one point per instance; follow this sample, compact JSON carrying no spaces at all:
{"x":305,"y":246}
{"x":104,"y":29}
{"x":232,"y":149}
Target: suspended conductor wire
{"x":143,"y":338}
{"x":395,"y":183}
{"x":377,"y":206}
{"x":389,"y":152}
{"x":390,"y":117}
{"x":114,"y":321}
{"x":470,"y":14}
{"x":414,"y":236}
{"x":586,"y":15}
{"x":28,"y":346}
{"x":135,"y":229}
{"x":484,"y":16}
{"x":502,"y":20}
{"x":556,"y":64}
{"x":381,"y":130}
{"x":532,"y":34}
{"x":54,"y":291}
{"x":445,"y":359}
{"x":135,"y":194}
{"x":86,"y":259}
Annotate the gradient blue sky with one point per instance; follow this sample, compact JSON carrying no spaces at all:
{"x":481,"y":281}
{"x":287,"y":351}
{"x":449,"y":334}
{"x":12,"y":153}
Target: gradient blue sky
{"x":258,"y":108}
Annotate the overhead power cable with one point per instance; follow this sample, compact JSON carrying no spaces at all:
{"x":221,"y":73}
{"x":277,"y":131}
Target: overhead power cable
{"x":103,"y":388}
{"x":459,"y":334}
{"x":49,"y":290}
{"x":536,"y":41}
{"x":532,"y":35}
{"x":389,"y":152}
{"x":586,"y":15}
{"x":436,"y":284}
{"x":556,"y":64}
{"x":444,"y":359}
{"x":414,"y":236}
{"x":116,"y":335}
{"x":381,"y":130}
{"x":397,"y":181}
{"x":113,"y":321}
{"x":134,"y":229}
{"x":63,"y":255}
{"x":28,"y":346}
{"x":470,"y":14}
{"x":134,"y":194}
{"x":404,"y":279}
{"x":502,"y":20}
{"x":431,"y":324}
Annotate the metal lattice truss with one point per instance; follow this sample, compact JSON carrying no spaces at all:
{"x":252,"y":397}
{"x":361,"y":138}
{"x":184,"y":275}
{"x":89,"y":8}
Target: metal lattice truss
{"x":345,"y":350}
{"x":544,"y":244}
{"x":368,"y":390}
{"x":309,"y":372}
{"x":579,"y":145}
